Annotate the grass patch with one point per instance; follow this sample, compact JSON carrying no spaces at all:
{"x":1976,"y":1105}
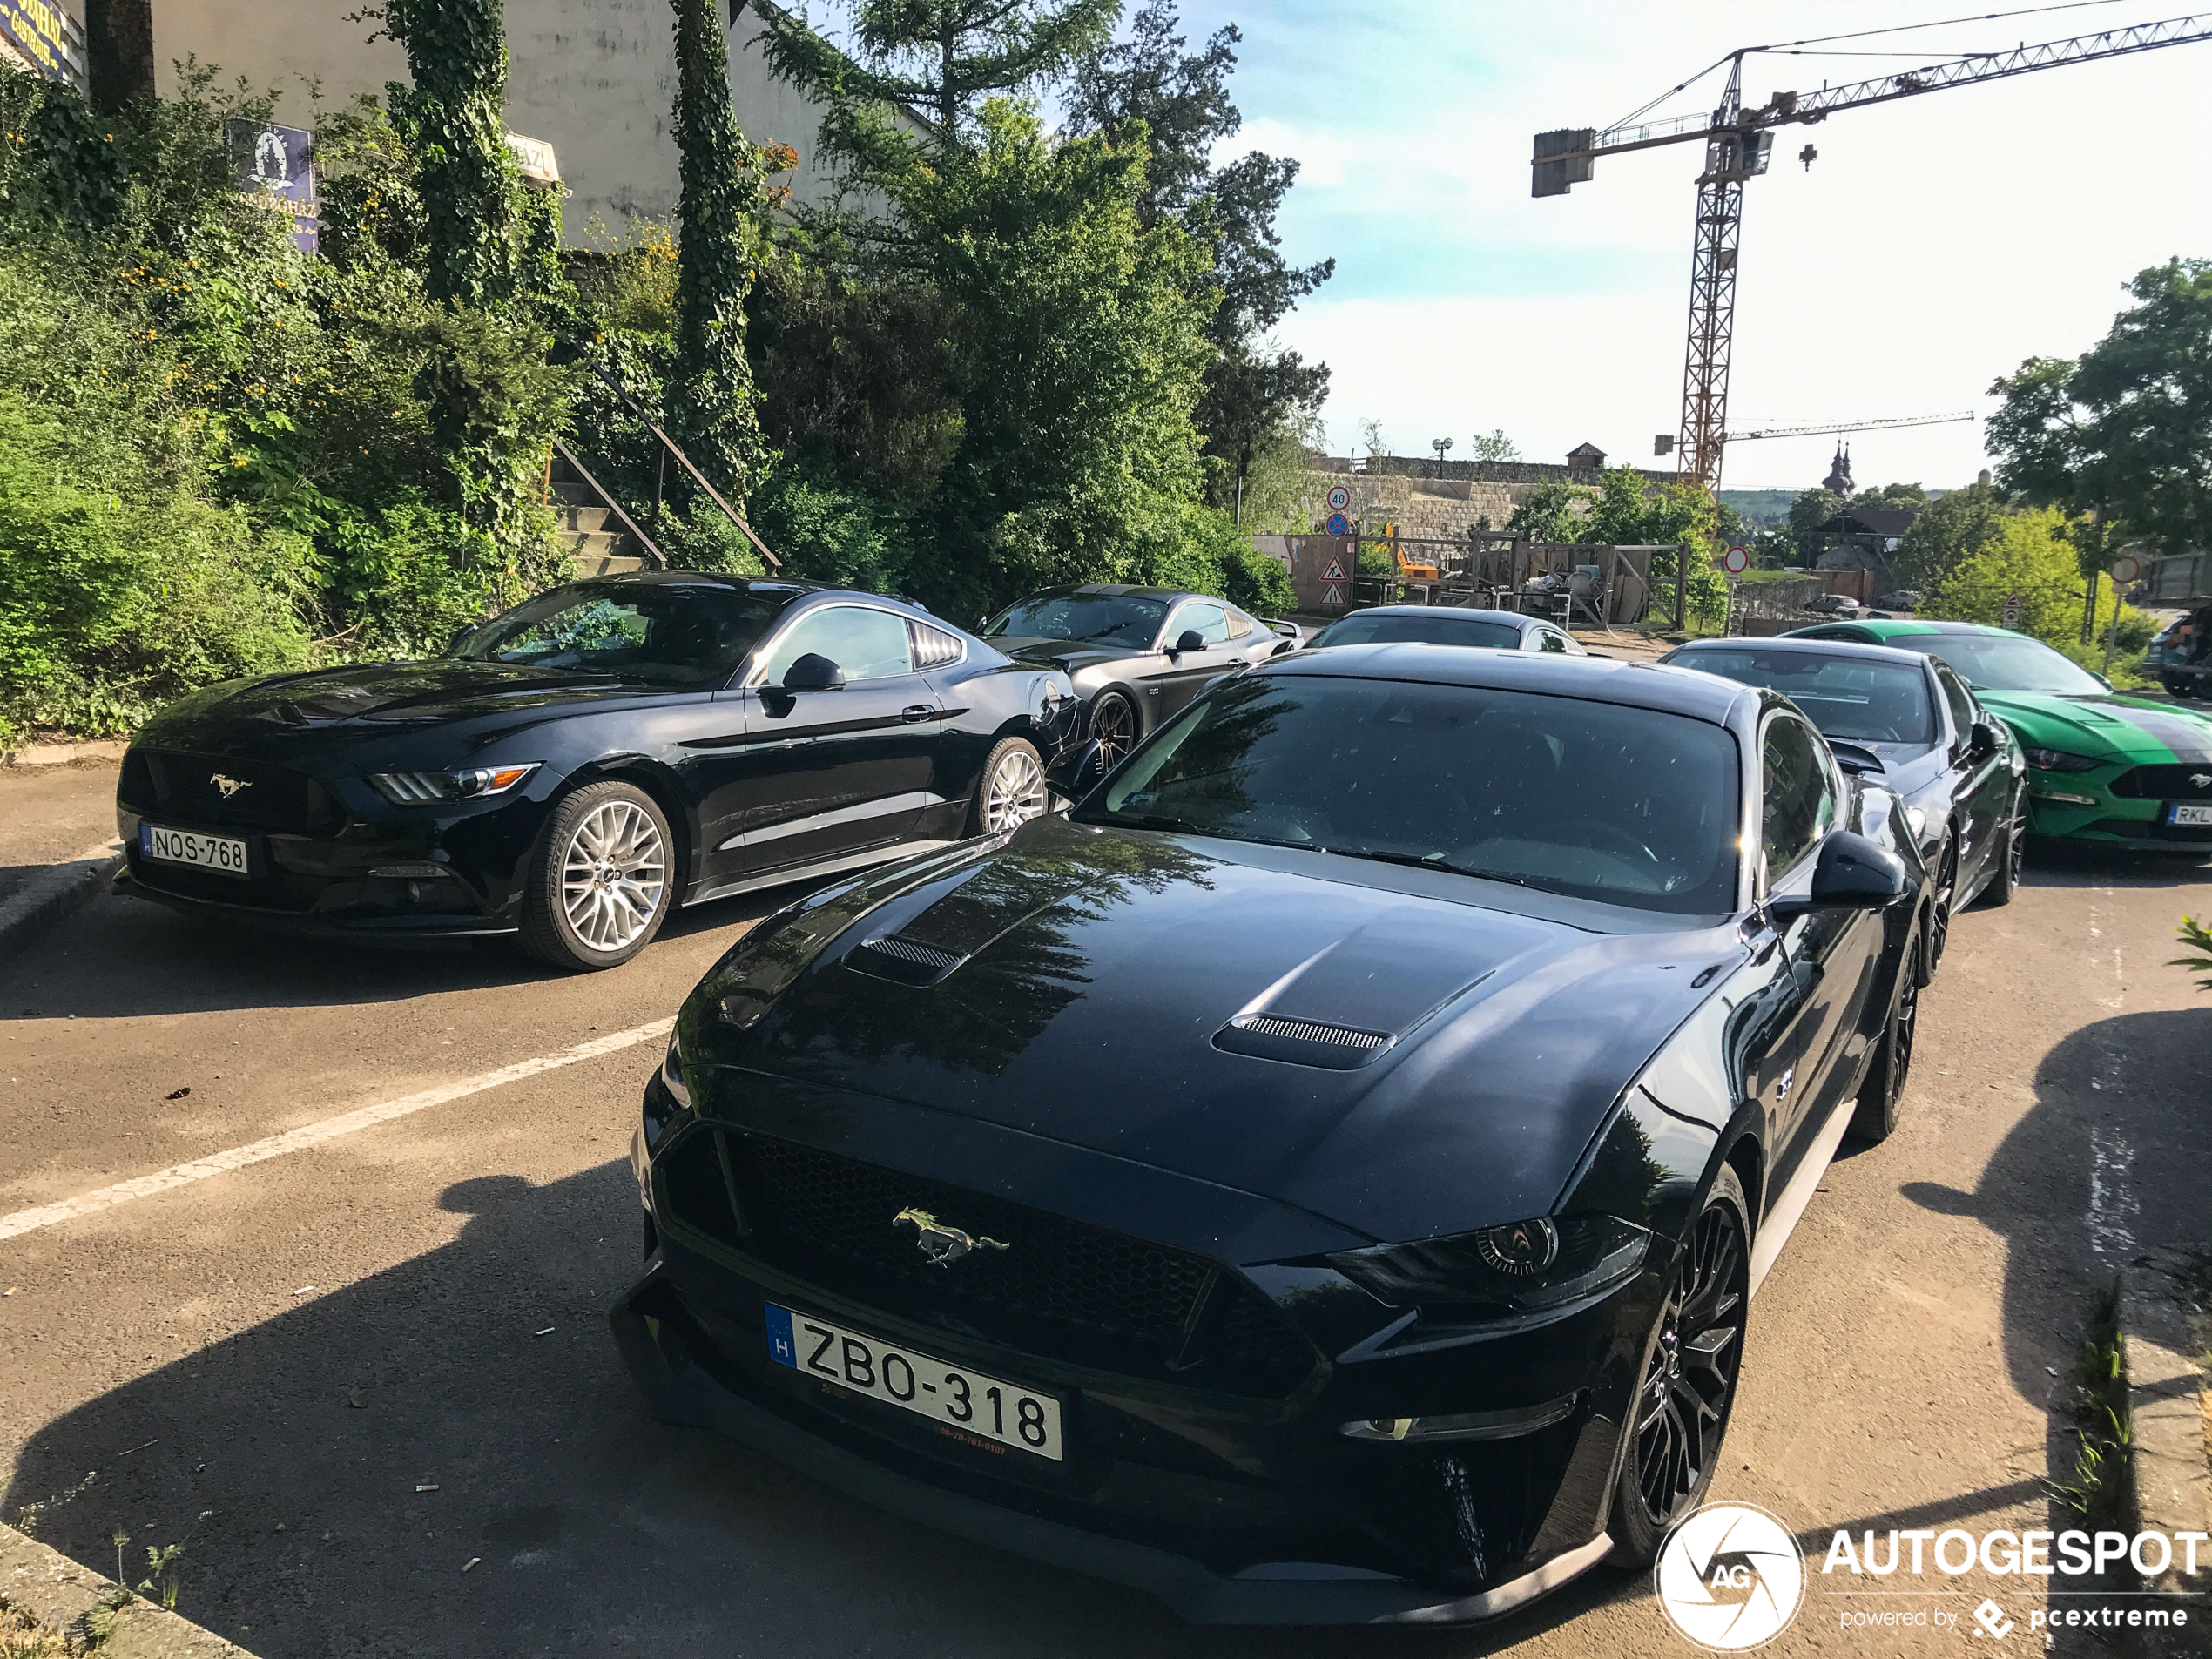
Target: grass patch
{"x":2104,"y":1435}
{"x":23,"y":1638}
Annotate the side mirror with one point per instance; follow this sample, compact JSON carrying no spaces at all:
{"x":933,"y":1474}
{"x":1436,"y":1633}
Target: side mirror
{"x":1850,"y":872}
{"x":1981,"y":742}
{"x":1188,"y":640}
{"x":1073,"y":770}
{"x":813,"y":673}
{"x":453,"y":645}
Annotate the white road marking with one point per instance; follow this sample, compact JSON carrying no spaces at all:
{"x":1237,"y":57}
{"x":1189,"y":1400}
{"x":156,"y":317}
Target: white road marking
{"x":2113,"y":1203}
{"x":299,"y":1139}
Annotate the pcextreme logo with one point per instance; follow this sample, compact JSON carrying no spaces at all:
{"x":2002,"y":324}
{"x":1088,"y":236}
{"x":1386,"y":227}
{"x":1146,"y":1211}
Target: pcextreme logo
{"x":1729,"y":1577}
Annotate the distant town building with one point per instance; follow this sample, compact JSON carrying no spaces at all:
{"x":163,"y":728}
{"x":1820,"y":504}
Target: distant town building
{"x":1838,"y":479}
{"x":1586,"y":457}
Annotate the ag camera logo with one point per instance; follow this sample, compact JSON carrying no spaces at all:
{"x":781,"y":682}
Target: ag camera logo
{"x":1729,"y":1577}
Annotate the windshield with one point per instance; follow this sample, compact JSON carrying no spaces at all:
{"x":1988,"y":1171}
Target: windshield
{"x":1625,"y":805}
{"x":2005,"y":663}
{"x":682,"y":636}
{"x":1112,"y":619}
{"x":1368,"y":628}
{"x":1852,"y":700}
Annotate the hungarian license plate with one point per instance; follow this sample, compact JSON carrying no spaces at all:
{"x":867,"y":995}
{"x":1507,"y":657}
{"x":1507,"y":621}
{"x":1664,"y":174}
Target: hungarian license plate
{"x":223,"y":852}
{"x":2184,"y":813}
{"x":965,"y":1400}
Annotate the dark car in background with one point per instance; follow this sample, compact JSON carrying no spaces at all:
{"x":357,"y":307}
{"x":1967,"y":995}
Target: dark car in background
{"x":1137,"y":655}
{"x":1448,"y":625}
{"x":574,"y":769}
{"x":1909,"y":721}
{"x":1322,"y":1178}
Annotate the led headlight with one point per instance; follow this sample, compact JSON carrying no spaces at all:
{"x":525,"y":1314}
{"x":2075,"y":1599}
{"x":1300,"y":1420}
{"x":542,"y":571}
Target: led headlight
{"x":428,"y":788}
{"x":1523,"y":1267}
{"x":2059,"y":760}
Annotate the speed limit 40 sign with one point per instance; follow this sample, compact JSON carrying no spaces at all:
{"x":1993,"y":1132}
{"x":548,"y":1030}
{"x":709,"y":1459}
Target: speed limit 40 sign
{"x":1340,"y":498}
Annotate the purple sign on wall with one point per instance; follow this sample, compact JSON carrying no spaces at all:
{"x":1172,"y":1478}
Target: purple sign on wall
{"x":276,"y":167}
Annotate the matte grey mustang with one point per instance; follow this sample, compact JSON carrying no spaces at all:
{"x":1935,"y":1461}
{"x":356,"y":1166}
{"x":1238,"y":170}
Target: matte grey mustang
{"x":1137,"y":655}
{"x":1323,"y":1177}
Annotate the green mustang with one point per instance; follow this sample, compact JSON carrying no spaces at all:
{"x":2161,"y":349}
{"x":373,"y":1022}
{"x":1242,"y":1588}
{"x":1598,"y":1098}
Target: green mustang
{"x":2101,"y":767}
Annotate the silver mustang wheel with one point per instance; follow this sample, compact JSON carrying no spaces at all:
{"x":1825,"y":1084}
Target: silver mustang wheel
{"x":612,"y":875}
{"x":1013,"y":791}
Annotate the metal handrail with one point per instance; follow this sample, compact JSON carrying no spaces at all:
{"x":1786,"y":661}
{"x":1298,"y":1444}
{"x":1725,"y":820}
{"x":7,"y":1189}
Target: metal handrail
{"x":637,"y":413}
{"x":628,"y":523}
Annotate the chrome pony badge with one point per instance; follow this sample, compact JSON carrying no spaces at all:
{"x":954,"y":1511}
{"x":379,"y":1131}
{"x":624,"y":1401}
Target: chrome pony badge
{"x":943,"y":1245}
{"x":2200,"y":780}
{"x":229,"y":786}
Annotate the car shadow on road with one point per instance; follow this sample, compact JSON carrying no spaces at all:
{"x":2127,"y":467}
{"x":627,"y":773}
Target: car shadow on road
{"x":2108,"y":1169}
{"x":2097,"y":865}
{"x":123,"y":957}
{"x":333,"y":1469}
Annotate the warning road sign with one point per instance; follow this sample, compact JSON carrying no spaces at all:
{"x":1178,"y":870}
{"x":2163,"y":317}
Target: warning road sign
{"x":1334,"y":595}
{"x":2013,"y":610}
{"x":1335,"y":572}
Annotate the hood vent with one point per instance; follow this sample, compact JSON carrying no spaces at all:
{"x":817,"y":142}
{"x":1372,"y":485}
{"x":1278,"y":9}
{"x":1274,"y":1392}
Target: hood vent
{"x":1301,"y":1042}
{"x":905,"y":961}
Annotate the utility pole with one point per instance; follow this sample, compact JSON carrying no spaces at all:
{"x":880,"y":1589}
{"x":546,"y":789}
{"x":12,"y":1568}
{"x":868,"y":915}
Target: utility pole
{"x":118,"y":49}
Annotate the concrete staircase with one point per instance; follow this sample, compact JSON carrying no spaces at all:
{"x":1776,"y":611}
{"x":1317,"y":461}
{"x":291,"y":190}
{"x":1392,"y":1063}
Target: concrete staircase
{"x":595,"y":540}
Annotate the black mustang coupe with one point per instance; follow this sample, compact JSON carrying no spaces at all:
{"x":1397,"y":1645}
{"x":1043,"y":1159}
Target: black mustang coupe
{"x":574,"y":768}
{"x":1324,"y":1177}
{"x":1910,"y":721}
{"x":1137,"y":655}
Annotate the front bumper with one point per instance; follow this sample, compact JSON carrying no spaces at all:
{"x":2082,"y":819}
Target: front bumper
{"x":1248,"y":1506}
{"x":2083,"y":806}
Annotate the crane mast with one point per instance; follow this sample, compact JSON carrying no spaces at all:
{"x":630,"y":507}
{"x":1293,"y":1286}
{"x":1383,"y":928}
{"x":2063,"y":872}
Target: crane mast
{"x":1738,"y":143}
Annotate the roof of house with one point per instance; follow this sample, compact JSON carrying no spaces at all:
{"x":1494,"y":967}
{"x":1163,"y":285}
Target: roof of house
{"x":1586,"y":449}
{"x":1871,"y":520}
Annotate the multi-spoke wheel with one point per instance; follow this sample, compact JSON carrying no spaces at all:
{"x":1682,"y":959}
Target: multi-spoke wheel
{"x":1113,"y":723}
{"x":1683,"y":1399}
{"x":1011,"y":791}
{"x":1946,"y":895}
{"x":599,"y":884}
{"x":2011,"y":853}
{"x":1875,"y":1116}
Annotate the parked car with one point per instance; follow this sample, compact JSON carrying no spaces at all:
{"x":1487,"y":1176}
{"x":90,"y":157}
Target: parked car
{"x":1323,"y":1177}
{"x":1137,"y":655}
{"x":574,"y":769}
{"x":2101,"y":767}
{"x":2181,"y":654}
{"x":1441,"y":625}
{"x":1903,"y":599}
{"x":1832,"y":604}
{"x":1907,"y":720}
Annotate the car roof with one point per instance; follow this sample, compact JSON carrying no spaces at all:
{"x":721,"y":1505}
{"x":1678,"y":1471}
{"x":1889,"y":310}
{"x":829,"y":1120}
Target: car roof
{"x":1454,"y":612}
{"x":1599,"y":679}
{"x":1796,"y":646}
{"x":1888,"y":626}
{"x":789,"y":589}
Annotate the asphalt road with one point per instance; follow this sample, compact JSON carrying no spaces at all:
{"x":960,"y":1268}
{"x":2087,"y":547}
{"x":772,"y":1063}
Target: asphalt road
{"x":266,"y":1365}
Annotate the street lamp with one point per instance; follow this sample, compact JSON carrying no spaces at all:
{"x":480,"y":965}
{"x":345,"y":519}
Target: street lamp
{"x":1440,"y":445}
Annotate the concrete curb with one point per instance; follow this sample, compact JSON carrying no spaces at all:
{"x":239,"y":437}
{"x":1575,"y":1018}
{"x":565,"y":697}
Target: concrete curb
{"x":2173,"y":1478}
{"x":56,"y":1592}
{"x":63,"y":754}
{"x":53,"y":893}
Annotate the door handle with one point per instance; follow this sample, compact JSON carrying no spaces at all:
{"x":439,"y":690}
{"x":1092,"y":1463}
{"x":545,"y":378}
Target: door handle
{"x":914,"y":711}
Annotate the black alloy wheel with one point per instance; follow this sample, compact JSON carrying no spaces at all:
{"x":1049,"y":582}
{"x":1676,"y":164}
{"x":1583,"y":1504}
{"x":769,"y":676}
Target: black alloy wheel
{"x":1946,"y":894}
{"x":2012,"y":855}
{"x":1113,"y":724}
{"x":1687,"y":1386}
{"x":1874,"y":1118}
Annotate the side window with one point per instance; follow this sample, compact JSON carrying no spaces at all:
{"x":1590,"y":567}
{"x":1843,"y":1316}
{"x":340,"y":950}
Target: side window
{"x":867,"y":645}
{"x":1553,"y":641}
{"x":1798,"y":798}
{"x":1961,"y":702}
{"x":1209,"y":621}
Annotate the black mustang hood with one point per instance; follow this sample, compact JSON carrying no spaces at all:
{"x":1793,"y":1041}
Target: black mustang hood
{"x":1406,"y":1052}
{"x":1071,"y":655}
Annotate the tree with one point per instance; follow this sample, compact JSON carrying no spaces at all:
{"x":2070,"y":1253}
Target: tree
{"x":2026,"y":553}
{"x":1548,"y":512}
{"x":1494,"y":445}
{"x":1812,"y":508}
{"x":2126,"y":430}
{"x":723,"y":189}
{"x":1370,"y":435}
{"x":1945,"y":532}
{"x":119,"y":39}
{"x":945,"y":58}
{"x":1178,"y":101}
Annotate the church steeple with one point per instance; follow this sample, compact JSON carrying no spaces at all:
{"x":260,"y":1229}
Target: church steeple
{"x":1838,"y":478}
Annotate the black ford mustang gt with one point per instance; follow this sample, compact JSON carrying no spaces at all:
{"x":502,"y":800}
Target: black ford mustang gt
{"x":1908,"y":718}
{"x":574,"y":768}
{"x":1323,"y":1177}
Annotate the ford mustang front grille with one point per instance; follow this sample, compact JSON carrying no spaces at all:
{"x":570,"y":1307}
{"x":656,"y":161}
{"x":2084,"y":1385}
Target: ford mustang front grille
{"x":2184,"y":782}
{"x":1060,"y":1289}
{"x":208,"y":789}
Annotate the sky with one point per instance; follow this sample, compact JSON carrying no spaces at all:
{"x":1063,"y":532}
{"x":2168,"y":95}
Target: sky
{"x":1934,"y":244}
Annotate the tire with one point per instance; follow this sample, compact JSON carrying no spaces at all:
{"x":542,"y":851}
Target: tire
{"x":1680,"y":1413}
{"x":1113,"y":723}
{"x":1947,"y":895}
{"x":1009,"y":791}
{"x":1874,"y":1118}
{"x":599,"y":884}
{"x":2010,"y":852}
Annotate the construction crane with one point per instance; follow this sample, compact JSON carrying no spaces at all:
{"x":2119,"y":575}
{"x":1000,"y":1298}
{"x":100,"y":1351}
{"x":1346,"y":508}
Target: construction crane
{"x":1826,"y":428}
{"x":1738,"y":143}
